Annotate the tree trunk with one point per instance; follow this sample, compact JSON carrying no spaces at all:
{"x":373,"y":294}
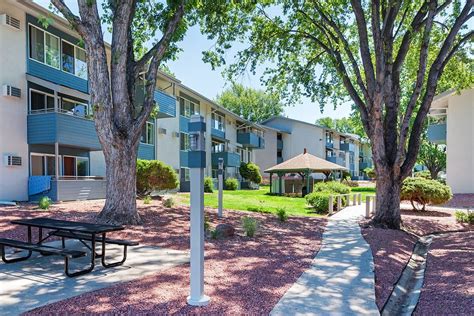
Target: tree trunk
{"x":387,"y":206}
{"x":120,"y":205}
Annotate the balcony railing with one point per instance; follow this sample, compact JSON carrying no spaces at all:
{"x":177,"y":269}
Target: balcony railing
{"x":250,"y":140}
{"x":347,"y":147}
{"x":337,"y":160}
{"x":230,"y":159}
{"x":329,"y":144}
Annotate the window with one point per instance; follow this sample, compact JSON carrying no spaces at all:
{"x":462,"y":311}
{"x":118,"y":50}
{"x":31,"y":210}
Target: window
{"x":329,"y":139}
{"x":74,"y":107}
{"x":82,"y":166}
{"x":41,"y":102}
{"x":74,"y":60}
{"x":185,"y":174}
{"x":81,"y":64}
{"x":188,"y":108}
{"x":44,"y":47}
{"x":75,"y":166}
{"x":148,"y":133}
{"x":184,"y":143}
{"x":42,"y":165}
{"x":217,"y":147}
{"x":218,"y":122}
{"x":68,"y":57}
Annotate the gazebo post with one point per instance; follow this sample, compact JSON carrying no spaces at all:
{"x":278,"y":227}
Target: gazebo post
{"x":307,"y":181}
{"x":271,"y":176}
{"x":280,"y":184}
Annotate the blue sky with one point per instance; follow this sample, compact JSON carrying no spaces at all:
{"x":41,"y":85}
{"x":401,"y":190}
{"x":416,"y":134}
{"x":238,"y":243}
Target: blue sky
{"x":193,"y":72}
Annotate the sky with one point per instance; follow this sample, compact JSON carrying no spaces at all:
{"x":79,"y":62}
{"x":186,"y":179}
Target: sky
{"x":194,"y":73}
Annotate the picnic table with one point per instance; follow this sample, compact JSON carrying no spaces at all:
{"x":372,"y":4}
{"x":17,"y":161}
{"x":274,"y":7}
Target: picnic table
{"x":84,"y":232}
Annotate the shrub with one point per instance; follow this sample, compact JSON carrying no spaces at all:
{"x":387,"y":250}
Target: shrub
{"x":332,"y":186}
{"x":320,"y":201}
{"x":423,"y":191}
{"x":44,"y":203}
{"x":231,"y":184}
{"x":282,"y":214}
{"x":370,"y":172}
{"x":169,"y":202}
{"x":346,"y":175}
{"x":207,"y":225}
{"x":250,"y":172}
{"x":215,"y":234}
{"x":147,"y":199}
{"x":208,"y":185}
{"x":154,"y":175}
{"x":464,"y":217}
{"x":250,"y":226}
{"x":423,"y":174}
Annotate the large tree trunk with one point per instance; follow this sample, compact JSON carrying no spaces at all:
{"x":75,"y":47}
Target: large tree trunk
{"x":387,"y":209}
{"x":120,"y":206}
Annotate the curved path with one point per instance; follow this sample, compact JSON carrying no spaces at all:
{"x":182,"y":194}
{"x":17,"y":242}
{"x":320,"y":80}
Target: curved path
{"x":341,"y":279}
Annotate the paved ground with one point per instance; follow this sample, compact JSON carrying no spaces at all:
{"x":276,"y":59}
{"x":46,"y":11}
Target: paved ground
{"x":341,"y":278}
{"x":40,"y":280}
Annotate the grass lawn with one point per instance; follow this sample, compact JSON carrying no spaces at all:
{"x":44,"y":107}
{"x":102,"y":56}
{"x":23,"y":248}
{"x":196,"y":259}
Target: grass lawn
{"x":365,"y":191}
{"x":254,"y":200}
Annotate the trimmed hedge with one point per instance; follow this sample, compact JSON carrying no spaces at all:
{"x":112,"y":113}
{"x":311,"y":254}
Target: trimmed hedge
{"x":424,"y":191}
{"x":332,"y":186}
{"x":155,"y":175}
{"x":320,"y":201}
{"x":423,"y":174}
{"x":231,"y":184}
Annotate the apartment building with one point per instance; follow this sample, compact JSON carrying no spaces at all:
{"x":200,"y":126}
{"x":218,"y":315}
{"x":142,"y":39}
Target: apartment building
{"x":452,"y":117}
{"x":48,"y":140}
{"x":286,"y":138}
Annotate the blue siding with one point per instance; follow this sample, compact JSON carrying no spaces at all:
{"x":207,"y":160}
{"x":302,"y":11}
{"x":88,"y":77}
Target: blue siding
{"x":217,"y":133}
{"x":146,"y":151}
{"x":183,"y":124}
{"x":230,"y":159}
{"x":48,"y":73}
{"x":250,"y":140}
{"x":65,"y":129}
{"x":166,"y":104}
{"x":52,"y":193}
{"x":183,"y":158}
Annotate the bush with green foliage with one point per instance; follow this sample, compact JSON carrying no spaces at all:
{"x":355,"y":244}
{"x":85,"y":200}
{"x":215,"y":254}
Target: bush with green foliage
{"x":208,"y":185}
{"x":250,"y":172}
{"x":423,"y":174}
{"x":346,"y":175}
{"x":282,"y":214}
{"x":147,"y":199}
{"x":320,"y":201}
{"x":370,"y":172}
{"x":464,"y":217}
{"x":250,"y":226}
{"x":332,"y":186}
{"x":207,"y":224}
{"x":169,"y":202}
{"x":44,"y":203}
{"x":155,"y":175}
{"x":420,"y":191}
{"x":231,"y":184}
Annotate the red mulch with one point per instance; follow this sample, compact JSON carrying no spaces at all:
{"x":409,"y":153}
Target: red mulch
{"x":448,"y":287}
{"x":392,"y":249}
{"x":243,"y":275}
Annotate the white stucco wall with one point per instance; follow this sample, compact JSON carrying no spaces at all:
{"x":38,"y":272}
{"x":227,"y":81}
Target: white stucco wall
{"x":460,"y":142}
{"x":267,"y":157}
{"x":13,"y":111}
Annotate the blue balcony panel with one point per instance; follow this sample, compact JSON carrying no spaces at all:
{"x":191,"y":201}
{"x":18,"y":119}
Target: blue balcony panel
{"x":146,"y":151}
{"x":166,"y":104}
{"x":347,"y":147}
{"x":329,"y":145}
{"x":217,"y":133}
{"x":437,"y":133}
{"x":184,"y":159}
{"x":230,"y":159}
{"x":250,"y":140}
{"x":337,"y":160}
{"x":183,"y":124}
{"x":49,"y":128}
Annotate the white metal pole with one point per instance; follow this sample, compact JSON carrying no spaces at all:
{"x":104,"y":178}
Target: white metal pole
{"x":220,"y":176}
{"x":367,"y":207}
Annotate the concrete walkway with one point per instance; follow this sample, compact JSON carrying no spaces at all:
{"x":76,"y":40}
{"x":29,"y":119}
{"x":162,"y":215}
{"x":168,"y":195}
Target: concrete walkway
{"x":341,"y":279}
{"x":40,"y":280}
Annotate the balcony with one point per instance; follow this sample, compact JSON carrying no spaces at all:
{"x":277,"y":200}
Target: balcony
{"x":437,"y":133}
{"x":250,"y":140}
{"x":329,"y":145}
{"x":230,"y":159}
{"x":347,"y":147}
{"x":74,"y":188}
{"x":337,"y":160}
{"x":166,"y":104}
{"x":217,"y":133}
{"x":279,"y":144}
{"x":65,"y":129}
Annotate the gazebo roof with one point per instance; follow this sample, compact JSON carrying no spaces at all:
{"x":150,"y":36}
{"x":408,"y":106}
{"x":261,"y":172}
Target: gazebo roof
{"x":305,"y":162}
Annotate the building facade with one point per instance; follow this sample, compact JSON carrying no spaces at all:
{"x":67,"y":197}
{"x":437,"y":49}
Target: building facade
{"x":452,"y":117}
{"x":285,"y":138}
{"x":48,"y":140}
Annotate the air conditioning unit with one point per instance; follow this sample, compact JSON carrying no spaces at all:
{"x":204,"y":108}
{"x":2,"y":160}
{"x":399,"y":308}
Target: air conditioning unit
{"x":10,"y":91}
{"x":11,"y":160}
{"x":162,"y":130}
{"x":176,"y":134}
{"x":9,"y":21}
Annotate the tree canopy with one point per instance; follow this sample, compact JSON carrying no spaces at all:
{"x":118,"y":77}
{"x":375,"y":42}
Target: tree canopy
{"x":433,"y":157}
{"x":249,"y":103}
{"x":348,"y":125}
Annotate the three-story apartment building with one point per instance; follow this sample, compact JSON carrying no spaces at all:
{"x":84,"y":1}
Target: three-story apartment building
{"x":48,"y":140}
{"x":286,"y":138}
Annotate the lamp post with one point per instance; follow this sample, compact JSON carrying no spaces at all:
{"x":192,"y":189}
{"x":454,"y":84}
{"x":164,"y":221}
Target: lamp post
{"x":220,"y":176}
{"x":197,"y":163}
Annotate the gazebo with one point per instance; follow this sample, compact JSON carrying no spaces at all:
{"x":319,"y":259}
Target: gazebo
{"x":304,"y":164}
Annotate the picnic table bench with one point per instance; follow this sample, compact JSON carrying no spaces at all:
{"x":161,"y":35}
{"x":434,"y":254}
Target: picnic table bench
{"x":92,"y":233}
